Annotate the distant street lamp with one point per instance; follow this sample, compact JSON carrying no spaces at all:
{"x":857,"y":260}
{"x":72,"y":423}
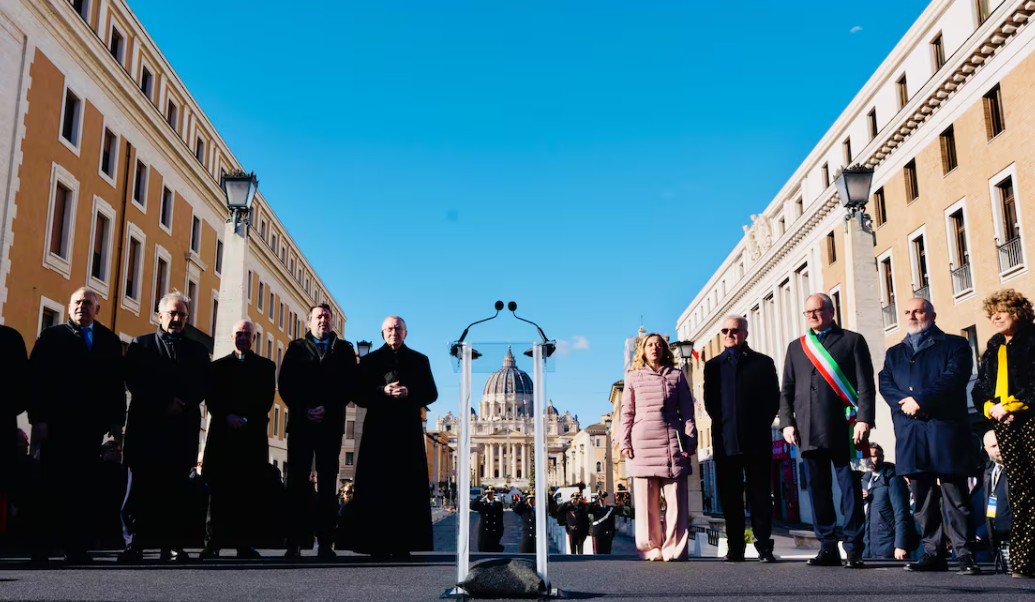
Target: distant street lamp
{"x":239,"y":188}
{"x":609,"y":482}
{"x":363,"y":347}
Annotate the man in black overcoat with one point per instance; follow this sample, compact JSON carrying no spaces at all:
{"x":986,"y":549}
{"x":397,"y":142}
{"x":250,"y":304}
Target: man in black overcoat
{"x":525,"y":508}
{"x":576,"y":521}
{"x":167,"y":376}
{"x":393,"y":503}
{"x":13,"y":402}
{"x":602,"y":525}
{"x":490,"y":521}
{"x":813,"y":417}
{"x":318,"y":378}
{"x":742,"y":397}
{"x":79,"y":396}
{"x":237,"y":449}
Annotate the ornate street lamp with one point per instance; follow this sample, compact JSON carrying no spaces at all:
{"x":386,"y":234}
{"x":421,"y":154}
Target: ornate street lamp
{"x":853,"y":187}
{"x":239,"y":188}
{"x":683,"y":349}
{"x":363,"y":347}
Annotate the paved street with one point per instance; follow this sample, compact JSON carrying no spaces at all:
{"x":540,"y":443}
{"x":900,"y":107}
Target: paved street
{"x":426,"y":576}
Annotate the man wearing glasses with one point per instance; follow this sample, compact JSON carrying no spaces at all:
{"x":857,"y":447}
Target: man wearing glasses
{"x":167,"y":376}
{"x":742,"y":396}
{"x":826,"y":405}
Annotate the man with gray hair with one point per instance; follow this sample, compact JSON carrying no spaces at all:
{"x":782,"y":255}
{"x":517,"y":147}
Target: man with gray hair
{"x":742,"y":396}
{"x":167,"y":375}
{"x":924,"y":380}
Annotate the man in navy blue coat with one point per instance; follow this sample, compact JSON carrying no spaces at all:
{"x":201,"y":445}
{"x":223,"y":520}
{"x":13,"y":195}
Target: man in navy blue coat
{"x":924,"y":380}
{"x":889,"y":527}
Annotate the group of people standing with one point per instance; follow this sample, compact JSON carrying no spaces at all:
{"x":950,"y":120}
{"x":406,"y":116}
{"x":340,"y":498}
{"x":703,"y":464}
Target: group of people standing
{"x":825,"y":405}
{"x":79,"y":379}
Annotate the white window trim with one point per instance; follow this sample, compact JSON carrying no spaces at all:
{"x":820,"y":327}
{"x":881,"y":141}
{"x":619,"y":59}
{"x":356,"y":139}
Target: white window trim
{"x":196,"y":253}
{"x":156,"y":294}
{"x":997,"y":219}
{"x":172,"y":208}
{"x":914,"y":261}
{"x":48,"y":303}
{"x":140,"y":204}
{"x":60,"y":265}
{"x":175,"y":125}
{"x":130,"y":304}
{"x":101,"y":287}
{"x":192,"y":311}
{"x":213,"y":302}
{"x":204,"y":149}
{"x":114,"y":152}
{"x":125,"y":42}
{"x":87,"y":5}
{"x":72,"y":146}
{"x":881,"y":278}
{"x":143,"y":64}
{"x":950,"y":236}
{"x":216,"y":259}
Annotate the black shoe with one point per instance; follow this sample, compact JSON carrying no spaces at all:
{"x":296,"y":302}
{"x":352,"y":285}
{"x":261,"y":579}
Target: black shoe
{"x":130,"y":555}
{"x":293,"y":552}
{"x":825,"y":558}
{"x":853,"y":562}
{"x":177,"y":555}
{"x":733,"y":557}
{"x":208,"y":553}
{"x":325,"y":553}
{"x":766,"y":556}
{"x":968,"y":566}
{"x":248,"y":553}
{"x":928,"y":563}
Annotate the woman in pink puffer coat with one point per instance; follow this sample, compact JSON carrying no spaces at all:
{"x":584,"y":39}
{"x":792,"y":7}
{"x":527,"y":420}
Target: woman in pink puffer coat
{"x":658,"y":437}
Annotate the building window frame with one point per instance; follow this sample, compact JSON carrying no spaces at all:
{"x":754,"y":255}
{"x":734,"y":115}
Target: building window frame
{"x":961,"y":280}
{"x":200,"y":148}
{"x":937,"y":51}
{"x":919,"y":262}
{"x":159,"y":289}
{"x":70,"y":126}
{"x":880,"y":207}
{"x":62,"y":264}
{"x":886,"y":282}
{"x":101,"y":284}
{"x":902,"y":91}
{"x":1007,"y":246}
{"x":140,"y":181}
{"x":172,"y":114}
{"x":46,"y":303}
{"x":912,"y":183}
{"x":995,"y":114}
{"x":146,"y":81}
{"x":117,"y":44}
{"x":165,"y":209}
{"x":127,"y":300}
{"x":195,"y":235}
{"x":871,"y":123}
{"x":947,"y":143}
{"x":218,"y":260}
{"x":112,"y":154}
{"x":831,"y":247}
{"x":82,"y":8}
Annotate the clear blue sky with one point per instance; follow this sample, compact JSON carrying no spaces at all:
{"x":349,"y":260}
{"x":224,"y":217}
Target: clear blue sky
{"x":592,"y":160}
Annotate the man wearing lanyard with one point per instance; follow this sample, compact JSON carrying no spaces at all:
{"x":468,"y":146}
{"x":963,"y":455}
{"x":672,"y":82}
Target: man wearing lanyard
{"x":924,"y":380}
{"x":997,"y":502}
{"x":826,"y":404}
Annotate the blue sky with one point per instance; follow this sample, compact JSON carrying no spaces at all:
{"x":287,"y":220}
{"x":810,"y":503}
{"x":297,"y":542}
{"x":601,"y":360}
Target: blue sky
{"x":593,"y":161}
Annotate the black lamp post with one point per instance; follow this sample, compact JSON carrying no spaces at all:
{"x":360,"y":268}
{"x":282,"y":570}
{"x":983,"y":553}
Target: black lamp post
{"x":853,"y":187}
{"x":363,"y":347}
{"x":240,"y":188}
{"x":684,"y":350}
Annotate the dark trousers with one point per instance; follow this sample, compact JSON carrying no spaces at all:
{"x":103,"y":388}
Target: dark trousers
{"x":302,"y":448}
{"x":576,"y":539}
{"x":67,"y":468}
{"x":942,"y":512}
{"x":734,"y":475}
{"x":817,"y":470}
{"x":158,"y":508}
{"x":602,"y":543}
{"x":489,"y":541}
{"x":232,"y":520}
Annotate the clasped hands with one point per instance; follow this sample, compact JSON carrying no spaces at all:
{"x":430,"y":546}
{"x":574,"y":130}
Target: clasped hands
{"x":860,"y":434}
{"x":394,"y":389}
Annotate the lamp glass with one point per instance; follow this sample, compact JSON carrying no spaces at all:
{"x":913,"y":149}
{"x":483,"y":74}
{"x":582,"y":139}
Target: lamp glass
{"x":853,"y":186}
{"x":240,"y":191}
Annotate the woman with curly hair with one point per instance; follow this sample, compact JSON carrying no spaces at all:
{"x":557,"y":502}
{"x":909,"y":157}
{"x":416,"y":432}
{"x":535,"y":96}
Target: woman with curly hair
{"x":1005,"y":393}
{"x":657,"y":440}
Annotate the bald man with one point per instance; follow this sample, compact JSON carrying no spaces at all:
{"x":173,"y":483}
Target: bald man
{"x":237,"y":450}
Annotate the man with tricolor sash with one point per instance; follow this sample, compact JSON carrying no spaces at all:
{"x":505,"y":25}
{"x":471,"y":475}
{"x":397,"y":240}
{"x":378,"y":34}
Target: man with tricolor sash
{"x":827,"y":409}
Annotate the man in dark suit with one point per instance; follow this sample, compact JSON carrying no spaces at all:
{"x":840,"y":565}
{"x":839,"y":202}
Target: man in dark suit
{"x":79,"y":396}
{"x":237,"y":449}
{"x":393,"y":502}
{"x":826,"y":404}
{"x":576,"y":521}
{"x":13,"y":402}
{"x":318,"y":378}
{"x":525,"y":508}
{"x":742,"y":396}
{"x":998,"y":516}
{"x":167,"y":376}
{"x":490,"y":521}
{"x":602,"y":525}
{"x":924,"y":380}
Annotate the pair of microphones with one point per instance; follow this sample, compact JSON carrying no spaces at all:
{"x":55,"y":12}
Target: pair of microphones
{"x":454,"y":350}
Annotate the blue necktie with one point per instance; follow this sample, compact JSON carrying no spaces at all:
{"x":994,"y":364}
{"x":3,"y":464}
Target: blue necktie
{"x":88,"y":337}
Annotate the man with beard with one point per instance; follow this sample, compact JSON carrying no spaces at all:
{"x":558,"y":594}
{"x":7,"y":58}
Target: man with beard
{"x":167,"y":376}
{"x":80,"y":395}
{"x":317,"y":380}
{"x":392,"y":502}
{"x":237,"y":450}
{"x":924,"y":380}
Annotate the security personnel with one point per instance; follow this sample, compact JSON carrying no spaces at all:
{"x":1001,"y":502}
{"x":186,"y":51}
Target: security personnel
{"x":490,"y":522}
{"x":525,"y":508}
{"x":576,"y":519}
{"x":602,"y":529}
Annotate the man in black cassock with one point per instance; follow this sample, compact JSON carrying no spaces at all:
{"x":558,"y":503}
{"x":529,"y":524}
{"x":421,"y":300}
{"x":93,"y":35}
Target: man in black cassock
{"x":237,"y":450}
{"x":79,"y":396}
{"x":167,"y":376}
{"x":392,"y":500}
{"x":13,"y":401}
{"x":318,"y":378}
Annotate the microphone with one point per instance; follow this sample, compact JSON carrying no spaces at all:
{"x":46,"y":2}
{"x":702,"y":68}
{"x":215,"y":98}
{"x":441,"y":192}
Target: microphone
{"x":547,"y":344}
{"x":454,"y":350}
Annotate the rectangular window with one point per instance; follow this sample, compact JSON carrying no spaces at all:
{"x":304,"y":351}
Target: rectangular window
{"x":937,"y":52}
{"x":836,"y":298}
{"x":219,"y":256}
{"x":912,"y":186}
{"x":192,"y":297}
{"x":82,"y":7}
{"x":140,"y":185}
{"x":165,"y":214}
{"x":134,"y":266}
{"x":983,"y":11}
{"x":887,"y":281}
{"x":147,"y":82}
{"x":161,"y":280}
{"x":172,"y":114}
{"x":49,"y":317}
{"x":948,"y":144}
{"x":280,"y":317}
{"x":61,"y":221}
{"x":215,"y":312}
{"x":831,"y":248}
{"x":350,"y":458}
{"x":262,"y":296}
{"x":846,"y":146}
{"x":100,"y":255}
{"x":269,"y":348}
{"x":350,"y":429}
{"x":958,"y":228}
{"x":199,"y":150}
{"x":995,"y":119}
{"x":880,"y":210}
{"x":919,"y":252}
{"x":1009,"y":227}
{"x":117,"y":45}
{"x":825,"y":173}
{"x":109,"y":152}
{"x":195,"y":235}
{"x":71,"y":118}
{"x":249,"y":285}
{"x":902,"y":91}
{"x":276,"y":421}
{"x":970,"y":333}
{"x":871,"y":119}
{"x":270,"y":307}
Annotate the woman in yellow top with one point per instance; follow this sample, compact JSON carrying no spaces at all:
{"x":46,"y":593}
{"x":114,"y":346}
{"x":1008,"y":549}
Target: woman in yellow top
{"x":1005,"y":393}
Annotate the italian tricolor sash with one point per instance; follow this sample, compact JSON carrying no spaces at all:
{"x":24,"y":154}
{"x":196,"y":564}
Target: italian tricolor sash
{"x":831,"y":372}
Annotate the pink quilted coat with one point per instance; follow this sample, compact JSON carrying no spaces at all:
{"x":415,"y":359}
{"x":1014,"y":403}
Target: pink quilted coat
{"x":656,"y":406}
